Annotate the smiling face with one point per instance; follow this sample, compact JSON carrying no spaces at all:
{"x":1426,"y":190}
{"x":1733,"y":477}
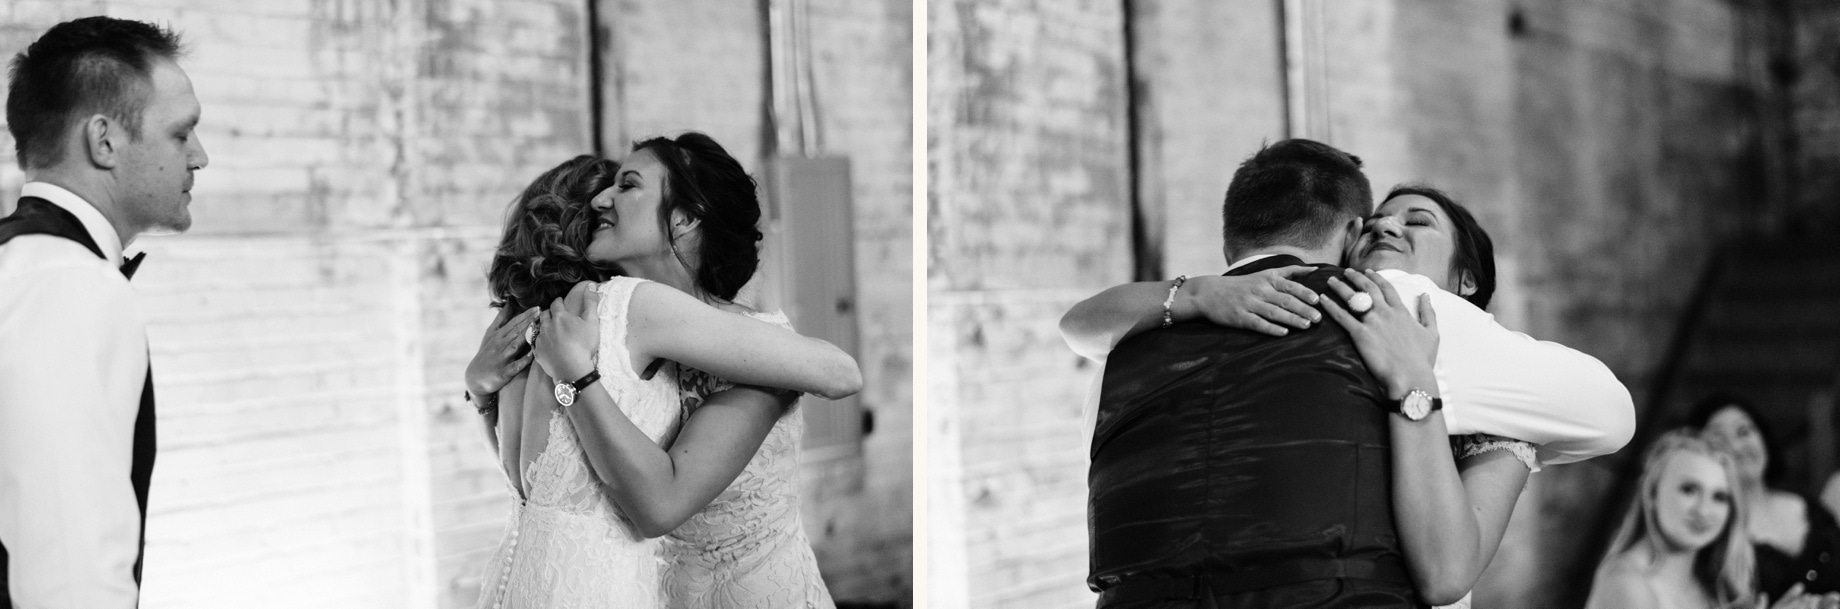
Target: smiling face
{"x":629,"y":230}
{"x":154,"y":175}
{"x":1693,"y":501}
{"x":1735,"y":430}
{"x":1410,"y":233}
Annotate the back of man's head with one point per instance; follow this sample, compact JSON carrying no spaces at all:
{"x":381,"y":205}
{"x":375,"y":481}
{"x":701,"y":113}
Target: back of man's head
{"x":1296,"y":193}
{"x":81,"y":68}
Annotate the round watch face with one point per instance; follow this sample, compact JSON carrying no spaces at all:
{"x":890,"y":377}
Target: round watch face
{"x":565,"y":394}
{"x":1416,"y":406}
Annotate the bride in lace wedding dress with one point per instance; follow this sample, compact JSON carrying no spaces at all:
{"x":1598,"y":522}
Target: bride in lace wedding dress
{"x":584,"y":434}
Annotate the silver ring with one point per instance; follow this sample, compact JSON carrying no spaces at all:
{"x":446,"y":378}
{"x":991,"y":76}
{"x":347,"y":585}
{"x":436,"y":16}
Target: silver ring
{"x":1361,"y":302}
{"x":530,"y":334}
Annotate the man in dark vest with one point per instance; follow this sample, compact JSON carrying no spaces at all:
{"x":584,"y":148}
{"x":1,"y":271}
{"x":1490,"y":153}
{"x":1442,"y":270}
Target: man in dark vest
{"x":1237,"y":469}
{"x":103,"y":120}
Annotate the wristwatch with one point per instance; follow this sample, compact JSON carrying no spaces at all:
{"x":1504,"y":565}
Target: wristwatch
{"x":565,"y":392}
{"x":1417,"y":405}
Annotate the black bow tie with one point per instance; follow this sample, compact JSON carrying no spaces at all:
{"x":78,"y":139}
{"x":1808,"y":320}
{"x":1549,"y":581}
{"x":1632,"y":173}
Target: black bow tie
{"x":128,"y":268}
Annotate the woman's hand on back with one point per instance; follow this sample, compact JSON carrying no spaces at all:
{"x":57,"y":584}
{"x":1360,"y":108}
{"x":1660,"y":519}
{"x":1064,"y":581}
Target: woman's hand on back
{"x":568,"y":333}
{"x":1266,"y":302}
{"x":501,"y":355}
{"x":1398,"y":349}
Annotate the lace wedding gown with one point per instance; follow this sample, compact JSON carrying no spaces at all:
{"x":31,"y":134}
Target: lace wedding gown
{"x":567,"y":545}
{"x":747,"y":549}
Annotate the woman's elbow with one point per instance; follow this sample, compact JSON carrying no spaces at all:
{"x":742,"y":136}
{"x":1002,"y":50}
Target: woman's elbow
{"x":1445,"y":586}
{"x":1440,"y":596}
{"x":657,"y":523}
{"x":844,"y":382}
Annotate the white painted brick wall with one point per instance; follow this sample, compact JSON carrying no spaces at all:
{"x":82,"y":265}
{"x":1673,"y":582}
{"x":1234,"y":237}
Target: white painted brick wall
{"x":310,"y":332}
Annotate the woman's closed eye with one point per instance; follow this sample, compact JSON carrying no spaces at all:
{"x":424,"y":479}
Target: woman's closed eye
{"x":1722,"y":497}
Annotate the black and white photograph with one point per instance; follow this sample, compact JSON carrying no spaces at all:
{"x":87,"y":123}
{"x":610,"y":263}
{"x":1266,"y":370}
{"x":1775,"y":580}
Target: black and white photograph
{"x":948,"y":304}
{"x":453,"y":304}
{"x":1405,"y":303}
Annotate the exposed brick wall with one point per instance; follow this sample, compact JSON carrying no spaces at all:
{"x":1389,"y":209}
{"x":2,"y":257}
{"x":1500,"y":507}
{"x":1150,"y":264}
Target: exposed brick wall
{"x":1815,"y":107}
{"x":699,"y":65}
{"x":1027,"y":128}
{"x":1602,"y":145}
{"x":310,"y":331}
{"x":500,"y":93}
{"x":1209,"y":90}
{"x":863,"y":79}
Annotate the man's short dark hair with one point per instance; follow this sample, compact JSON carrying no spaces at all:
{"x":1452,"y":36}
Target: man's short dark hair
{"x":80,"y":68}
{"x":1296,"y":192}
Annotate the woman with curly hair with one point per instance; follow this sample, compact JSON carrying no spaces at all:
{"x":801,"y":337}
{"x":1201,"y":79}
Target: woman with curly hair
{"x":602,"y":452}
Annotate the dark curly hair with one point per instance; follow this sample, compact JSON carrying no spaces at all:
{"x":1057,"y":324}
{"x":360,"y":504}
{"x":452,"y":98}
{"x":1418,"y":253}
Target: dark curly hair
{"x":544,"y":251}
{"x":707,"y":184}
{"x":1474,"y":255}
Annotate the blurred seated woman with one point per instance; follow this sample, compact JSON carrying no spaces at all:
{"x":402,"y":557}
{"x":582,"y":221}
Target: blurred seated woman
{"x":1797,"y":540}
{"x":1682,"y":543}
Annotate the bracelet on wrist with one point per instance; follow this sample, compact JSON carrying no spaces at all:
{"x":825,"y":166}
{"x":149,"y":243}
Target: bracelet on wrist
{"x":1170,"y":301}
{"x":491,"y":401}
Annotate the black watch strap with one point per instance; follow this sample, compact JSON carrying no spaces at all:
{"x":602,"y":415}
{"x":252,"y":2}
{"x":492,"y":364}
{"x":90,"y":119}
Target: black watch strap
{"x":586,"y":380}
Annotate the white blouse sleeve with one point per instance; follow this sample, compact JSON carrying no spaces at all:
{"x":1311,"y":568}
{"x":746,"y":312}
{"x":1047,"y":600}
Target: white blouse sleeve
{"x":1497,"y":381}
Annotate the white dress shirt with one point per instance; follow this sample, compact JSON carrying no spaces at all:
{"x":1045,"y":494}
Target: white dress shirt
{"x":73,"y":360}
{"x":1497,"y":381}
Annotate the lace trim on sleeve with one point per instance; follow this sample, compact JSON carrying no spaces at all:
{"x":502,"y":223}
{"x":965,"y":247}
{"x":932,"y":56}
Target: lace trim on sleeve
{"x":1476,"y":444}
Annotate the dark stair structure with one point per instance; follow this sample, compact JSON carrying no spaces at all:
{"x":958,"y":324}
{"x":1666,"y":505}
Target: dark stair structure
{"x":1763,"y":324}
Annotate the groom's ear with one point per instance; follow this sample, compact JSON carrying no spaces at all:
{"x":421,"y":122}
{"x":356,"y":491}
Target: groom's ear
{"x":1351,"y":234}
{"x":102,"y":138}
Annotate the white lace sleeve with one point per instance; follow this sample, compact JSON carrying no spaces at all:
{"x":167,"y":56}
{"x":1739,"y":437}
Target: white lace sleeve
{"x":1476,"y":444}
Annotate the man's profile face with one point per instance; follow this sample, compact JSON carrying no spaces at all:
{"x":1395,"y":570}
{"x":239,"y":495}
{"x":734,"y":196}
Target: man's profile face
{"x":155,"y":175}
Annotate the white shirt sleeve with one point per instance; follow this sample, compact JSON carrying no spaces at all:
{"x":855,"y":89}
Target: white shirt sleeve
{"x":72,"y":365}
{"x":1089,"y":410}
{"x":1497,"y":381}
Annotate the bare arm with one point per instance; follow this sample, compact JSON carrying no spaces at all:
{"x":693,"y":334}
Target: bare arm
{"x":501,"y":356}
{"x":660,"y":489}
{"x":1450,"y":522}
{"x":1830,"y":495}
{"x":668,"y":324}
{"x":1501,"y":382}
{"x":656,"y":488}
{"x":1258,"y":302}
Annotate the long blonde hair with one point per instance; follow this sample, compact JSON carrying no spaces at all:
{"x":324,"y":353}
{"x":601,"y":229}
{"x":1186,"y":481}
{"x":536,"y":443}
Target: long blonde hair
{"x":1727,"y":567}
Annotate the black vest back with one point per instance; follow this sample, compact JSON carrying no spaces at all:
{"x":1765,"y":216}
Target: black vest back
{"x":37,"y":216}
{"x":1240,"y":461}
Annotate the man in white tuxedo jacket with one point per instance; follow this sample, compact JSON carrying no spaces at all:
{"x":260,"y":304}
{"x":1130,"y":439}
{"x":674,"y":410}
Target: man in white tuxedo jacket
{"x":103,"y":120}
